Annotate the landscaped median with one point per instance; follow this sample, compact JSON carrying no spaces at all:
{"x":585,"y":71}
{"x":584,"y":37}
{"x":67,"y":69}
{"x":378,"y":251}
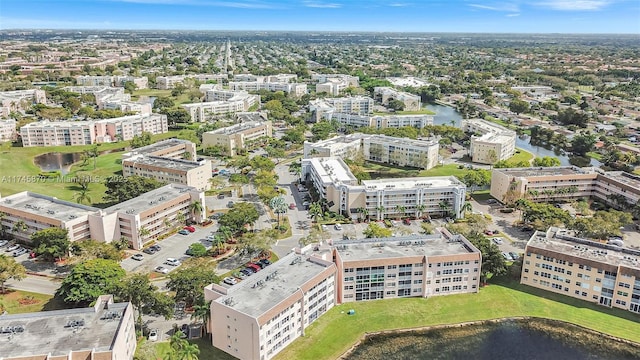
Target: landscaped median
{"x":335,"y":332}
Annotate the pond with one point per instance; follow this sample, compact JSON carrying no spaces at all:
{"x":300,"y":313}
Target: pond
{"x":446,"y":114}
{"x":57,"y":161}
{"x":507,"y":339}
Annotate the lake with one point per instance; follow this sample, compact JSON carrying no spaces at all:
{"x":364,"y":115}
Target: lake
{"x":57,"y":161}
{"x":502,"y":340}
{"x":445,"y":114}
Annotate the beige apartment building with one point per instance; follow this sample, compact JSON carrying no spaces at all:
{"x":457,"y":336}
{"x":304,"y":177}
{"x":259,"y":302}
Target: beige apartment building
{"x":565,"y":183}
{"x":236,"y":137}
{"x":156,"y":211}
{"x":385,"y":94}
{"x":167,"y":170}
{"x":559,"y":262}
{"x":325,"y":108}
{"x":219,"y":101}
{"x":410,"y":266}
{"x":7,"y":130}
{"x":105,"y":331}
{"x":378,"y":148}
{"x":383,"y":198}
{"x":117,"y":81}
{"x":294,"y":89}
{"x":56,"y":133}
{"x":281,"y":78}
{"x":260,"y":316}
{"x":169,"y":148}
{"x":494,"y":142}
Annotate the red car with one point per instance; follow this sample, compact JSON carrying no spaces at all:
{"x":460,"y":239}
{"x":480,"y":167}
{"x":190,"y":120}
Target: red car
{"x":292,"y":206}
{"x":190,"y":228}
{"x":254,"y":267}
{"x":406,"y":221}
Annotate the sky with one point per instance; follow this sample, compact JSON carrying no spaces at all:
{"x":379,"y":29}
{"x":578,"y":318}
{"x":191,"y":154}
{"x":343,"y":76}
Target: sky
{"x":508,"y":16}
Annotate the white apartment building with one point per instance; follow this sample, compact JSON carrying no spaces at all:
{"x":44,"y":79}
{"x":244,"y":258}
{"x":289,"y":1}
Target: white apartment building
{"x":236,"y":137}
{"x":279,"y":78}
{"x":385,"y":94}
{"x":200,"y":112}
{"x":352,"y":81}
{"x":383,"y":198}
{"x":383,"y":121}
{"x":408,"y":266}
{"x":169,"y":82}
{"x":169,"y":148}
{"x":378,"y":148}
{"x":324,"y":108}
{"x":560,"y":262}
{"x":48,"y":133}
{"x":229,"y":95}
{"x":116,"y":81}
{"x":263,"y":314}
{"x":113,"y":98}
{"x":7,"y":130}
{"x":20,"y":100}
{"x":294,"y":89}
{"x":495,"y":142}
{"x":155,"y":211}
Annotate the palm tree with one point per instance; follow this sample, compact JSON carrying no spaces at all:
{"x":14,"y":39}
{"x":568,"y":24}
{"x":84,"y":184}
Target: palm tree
{"x":380,"y":209}
{"x":189,"y":352}
{"x":2,"y":227}
{"x":466,"y":207}
{"x":279,"y":206}
{"x":315,"y":211}
{"x":364,"y":212}
{"x":201,"y":313}
{"x":167,"y":222}
{"x":400,"y":210}
{"x":444,"y":206}
{"x":181,"y":218}
{"x":196,"y":207}
{"x":143,"y":232}
{"x":419,"y":209}
{"x":83,"y":196}
{"x":19,"y":226}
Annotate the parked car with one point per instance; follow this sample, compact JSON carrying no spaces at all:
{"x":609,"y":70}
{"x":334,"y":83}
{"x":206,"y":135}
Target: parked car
{"x":138,"y":257}
{"x":190,"y":228}
{"x":230,"y":281}
{"x":155,"y":247}
{"x":506,"y":256}
{"x":406,"y":221}
{"x":497,"y":240}
{"x":514,"y":256}
{"x":153,"y":335}
{"x":247,"y":272}
{"x":240,"y":275}
{"x":13,"y":247}
{"x":161,"y":270}
{"x":337,"y":227}
{"x":220,"y":196}
{"x":259,"y":264}
{"x":215,"y":216}
{"x":488,"y":232}
{"x":254,"y":267}
{"x":185,"y":329}
{"x":3,"y":242}
{"x":325,"y":227}
{"x":265,"y":262}
{"x":183,"y":232}
{"x":20,"y":251}
{"x":172,"y":262}
{"x":292,"y":206}
{"x":149,"y":251}
{"x":230,"y":204}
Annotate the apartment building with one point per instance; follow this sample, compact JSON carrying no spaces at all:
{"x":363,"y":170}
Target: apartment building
{"x":169,"y":148}
{"x":409,"y":266}
{"x":293,"y":89}
{"x":169,"y":82}
{"x":7,"y":130}
{"x":383,"y":198}
{"x":200,"y":112}
{"x":117,"y":81}
{"x":167,"y":170}
{"x":50,"y":133}
{"x":155,"y":211}
{"x":105,"y":331}
{"x":236,"y":137}
{"x":353,"y":81}
{"x":385,"y":94}
{"x":260,"y":316}
{"x":383,"y":121}
{"x":281,"y":78}
{"x":332,"y":86}
{"x":20,"y":100}
{"x":494,"y":142}
{"x":325,"y":108}
{"x":559,"y":262}
{"x":378,"y":148}
{"x":566,"y":183}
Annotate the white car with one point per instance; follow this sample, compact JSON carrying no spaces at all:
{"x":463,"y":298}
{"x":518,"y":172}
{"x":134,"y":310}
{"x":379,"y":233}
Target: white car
{"x":153,"y":335}
{"x":230,"y":281}
{"x":172,"y":262}
{"x":3,"y":242}
{"x":497,"y":240}
{"x":138,"y":257}
{"x":337,"y":227}
{"x":13,"y":248}
{"x":161,"y":270}
{"x":325,"y":227}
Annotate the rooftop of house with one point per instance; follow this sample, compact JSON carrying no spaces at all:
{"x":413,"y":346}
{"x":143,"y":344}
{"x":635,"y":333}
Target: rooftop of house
{"x":46,"y":206}
{"x":256,"y":295}
{"x":59,"y":332}
{"x":442,"y":243}
{"x":150,"y":199}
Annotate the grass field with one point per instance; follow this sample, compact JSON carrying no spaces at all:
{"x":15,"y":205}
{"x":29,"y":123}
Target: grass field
{"x":380,"y":171}
{"x":523,"y":155}
{"x":17,"y":169}
{"x":335,"y":332}
{"x":181,"y":99}
{"x":31,"y":302}
{"x":444,"y":170}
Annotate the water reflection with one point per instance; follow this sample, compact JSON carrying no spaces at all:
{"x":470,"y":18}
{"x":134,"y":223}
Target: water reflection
{"x":57,"y":161}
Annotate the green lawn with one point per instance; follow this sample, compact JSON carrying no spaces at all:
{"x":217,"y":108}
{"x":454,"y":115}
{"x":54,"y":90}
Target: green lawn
{"x":18,"y":302}
{"x":335,"y":332}
{"x":207,"y":351}
{"x":181,"y":99}
{"x":594,"y":155}
{"x":523,"y":155}
{"x":380,"y":171}
{"x":445,"y":170}
{"x":17,"y":162}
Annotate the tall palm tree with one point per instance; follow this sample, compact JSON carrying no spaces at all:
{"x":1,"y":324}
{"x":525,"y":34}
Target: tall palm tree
{"x":181,"y":218}
{"x":399,"y":211}
{"x":315,"y":211}
{"x":279,"y":206}
{"x":420,"y":209}
{"x":189,"y":352}
{"x":83,"y":196}
{"x":466,"y":207}
{"x":196,"y":207}
{"x":201,"y":314}
{"x":444,"y":206}
{"x":167,"y":222}
{"x":364,"y":212}
{"x":143,"y":232}
{"x":380,"y":209}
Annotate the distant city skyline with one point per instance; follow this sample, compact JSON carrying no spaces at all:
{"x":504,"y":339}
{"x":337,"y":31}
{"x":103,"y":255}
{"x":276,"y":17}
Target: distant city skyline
{"x":510,"y":16}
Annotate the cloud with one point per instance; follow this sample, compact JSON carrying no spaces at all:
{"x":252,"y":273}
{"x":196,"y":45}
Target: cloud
{"x":400,"y":4}
{"x":574,"y":5}
{"x":322,"y":5}
{"x":231,"y":4}
{"x":506,"y":7}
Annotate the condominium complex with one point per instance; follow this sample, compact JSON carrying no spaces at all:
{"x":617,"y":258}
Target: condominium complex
{"x":383,"y":121}
{"x":353,"y":81}
{"x":324,"y":108}
{"x":334,"y":84}
{"x":20,"y":100}
{"x":260,"y":316}
{"x":411,"y":266}
{"x":379,"y":148}
{"x":105,"y":331}
{"x":169,"y":148}
{"x":559,"y":262}
{"x":220,"y":101}
{"x":383,"y":198}
{"x":385,"y":94}
{"x":117,"y":81}
{"x":566,"y":183}
{"x":293,"y":89}
{"x":282,"y":78}
{"x":49,"y":133}
{"x":238,"y":136}
{"x":169,"y":82}
{"x":7,"y":130}
{"x":494,"y":142}
{"x":157,"y":212}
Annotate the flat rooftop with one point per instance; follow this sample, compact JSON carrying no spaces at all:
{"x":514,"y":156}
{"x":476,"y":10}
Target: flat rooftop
{"x":332,"y":170}
{"x":546,"y":171}
{"x":149,"y":199}
{"x":624,"y":178}
{"x":565,"y":242}
{"x":233,"y":129}
{"x":405,"y":141}
{"x":412,"y":183}
{"x":500,"y":138}
{"x":439,"y":244}
{"x":160,"y":145}
{"x":47,"y":206}
{"x":163,"y":162}
{"x":49,"y":332}
{"x":487,"y":126}
{"x":257,"y":294}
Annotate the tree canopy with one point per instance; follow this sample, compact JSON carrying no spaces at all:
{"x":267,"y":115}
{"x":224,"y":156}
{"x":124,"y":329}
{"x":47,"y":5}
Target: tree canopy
{"x":90,"y":279}
{"x":242,"y":214}
{"x":10,"y":269}
{"x":52,"y":243}
{"x":190,"y":279}
{"x":376,"y":231}
{"x":122,"y":189}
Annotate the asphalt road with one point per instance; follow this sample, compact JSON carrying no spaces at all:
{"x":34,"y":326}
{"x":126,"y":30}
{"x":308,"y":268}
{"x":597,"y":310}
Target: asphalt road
{"x":36,"y":284}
